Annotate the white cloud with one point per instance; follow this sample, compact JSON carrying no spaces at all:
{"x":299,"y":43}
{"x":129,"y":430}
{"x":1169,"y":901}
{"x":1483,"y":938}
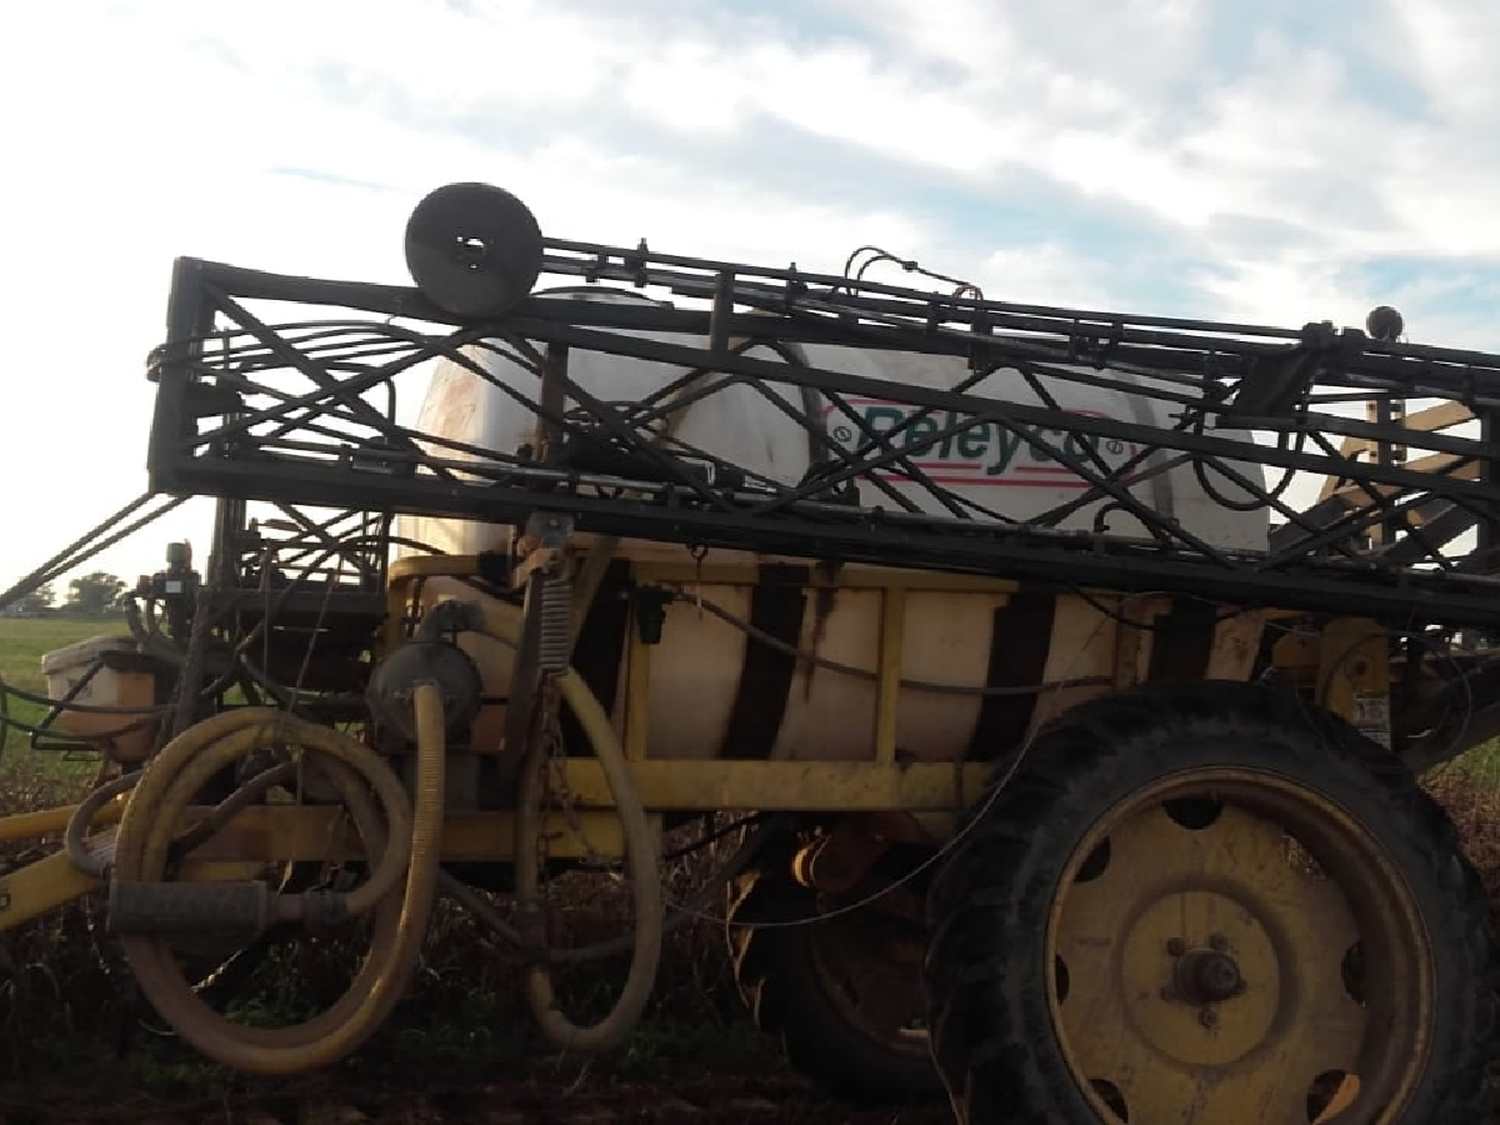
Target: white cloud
{"x":1448,"y":48}
{"x":1047,"y":274}
{"x":1256,"y":190}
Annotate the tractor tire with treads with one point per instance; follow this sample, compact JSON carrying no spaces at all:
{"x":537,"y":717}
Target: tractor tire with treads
{"x":1213,"y":905}
{"x":789,"y":977}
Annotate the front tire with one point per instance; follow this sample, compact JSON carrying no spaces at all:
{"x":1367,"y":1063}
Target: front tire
{"x":1209,"y":903}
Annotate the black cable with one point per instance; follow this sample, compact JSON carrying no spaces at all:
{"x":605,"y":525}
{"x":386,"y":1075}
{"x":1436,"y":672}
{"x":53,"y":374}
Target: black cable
{"x":82,"y":708}
{"x":5,"y":720}
{"x":712,"y":837}
{"x":760,"y":636}
{"x":65,"y":559}
{"x":161,"y":647}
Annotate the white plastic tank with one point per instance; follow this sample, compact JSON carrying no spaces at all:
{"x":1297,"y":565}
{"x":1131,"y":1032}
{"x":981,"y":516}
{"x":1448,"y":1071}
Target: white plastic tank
{"x":826,"y":714}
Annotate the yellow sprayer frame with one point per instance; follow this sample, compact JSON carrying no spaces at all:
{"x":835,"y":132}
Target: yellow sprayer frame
{"x":881,"y":784}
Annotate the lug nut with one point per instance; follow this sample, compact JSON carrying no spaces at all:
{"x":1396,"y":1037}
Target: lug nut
{"x":1219,"y":943}
{"x":1208,"y":1017}
{"x":1176,"y":947}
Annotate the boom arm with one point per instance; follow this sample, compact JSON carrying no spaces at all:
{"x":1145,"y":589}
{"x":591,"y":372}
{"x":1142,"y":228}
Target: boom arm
{"x":302,"y":410}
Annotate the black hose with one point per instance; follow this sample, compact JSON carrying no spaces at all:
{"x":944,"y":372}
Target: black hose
{"x":762,"y":637}
{"x":226,"y":810}
{"x":94,"y":864}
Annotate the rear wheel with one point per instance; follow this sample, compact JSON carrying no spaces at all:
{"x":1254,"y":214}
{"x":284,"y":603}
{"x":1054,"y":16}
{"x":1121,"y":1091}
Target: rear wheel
{"x":842,"y":996}
{"x":1208,"y":903}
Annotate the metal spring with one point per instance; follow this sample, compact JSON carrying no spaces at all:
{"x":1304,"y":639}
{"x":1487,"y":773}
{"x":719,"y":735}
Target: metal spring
{"x":555,"y":625}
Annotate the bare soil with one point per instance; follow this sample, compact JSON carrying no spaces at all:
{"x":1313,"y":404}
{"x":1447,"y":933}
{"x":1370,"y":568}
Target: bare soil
{"x":705,"y":1101}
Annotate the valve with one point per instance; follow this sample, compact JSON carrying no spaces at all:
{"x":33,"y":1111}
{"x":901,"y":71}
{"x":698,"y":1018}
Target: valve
{"x":392,"y":687}
{"x":176,"y":588}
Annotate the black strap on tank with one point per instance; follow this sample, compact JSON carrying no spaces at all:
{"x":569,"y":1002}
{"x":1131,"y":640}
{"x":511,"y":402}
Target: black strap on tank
{"x":777,"y":607}
{"x":600,"y":649}
{"x":1183,"y":640}
{"x":1020,"y":639}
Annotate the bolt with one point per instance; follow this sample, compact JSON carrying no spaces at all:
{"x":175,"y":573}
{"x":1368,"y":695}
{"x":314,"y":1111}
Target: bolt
{"x":1168,"y":993}
{"x":1208,"y":1017}
{"x":1176,"y":947}
{"x":1219,"y":943}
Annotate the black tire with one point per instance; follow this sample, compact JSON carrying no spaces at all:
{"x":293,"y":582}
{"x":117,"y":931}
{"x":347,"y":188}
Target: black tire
{"x":989,"y":992}
{"x":777,"y":970}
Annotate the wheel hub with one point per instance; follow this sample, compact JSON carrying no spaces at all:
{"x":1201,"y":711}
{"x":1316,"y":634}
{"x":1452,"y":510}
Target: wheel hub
{"x":1183,"y":979}
{"x":1207,"y":976}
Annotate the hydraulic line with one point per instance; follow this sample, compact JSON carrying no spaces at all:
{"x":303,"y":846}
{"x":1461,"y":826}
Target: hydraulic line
{"x":640,"y":853}
{"x":95,"y":861}
{"x":407,"y":843}
{"x":226,"y":810}
{"x":640,"y":840}
{"x":650,"y":929}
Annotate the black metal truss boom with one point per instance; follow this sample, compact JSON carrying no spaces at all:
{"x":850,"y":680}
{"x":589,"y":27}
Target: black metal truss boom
{"x":305,"y":410}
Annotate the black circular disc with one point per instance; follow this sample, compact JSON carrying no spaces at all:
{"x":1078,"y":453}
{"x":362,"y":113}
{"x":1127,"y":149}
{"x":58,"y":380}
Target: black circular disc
{"x":474,"y":250}
{"x":1384,"y":323}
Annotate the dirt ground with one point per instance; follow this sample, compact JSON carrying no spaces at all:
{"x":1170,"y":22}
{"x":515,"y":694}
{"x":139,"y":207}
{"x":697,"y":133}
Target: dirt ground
{"x":706,"y":1101}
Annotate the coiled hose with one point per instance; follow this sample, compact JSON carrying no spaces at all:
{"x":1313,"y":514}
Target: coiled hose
{"x":407,"y":843}
{"x":145,"y":843}
{"x":640,"y":841}
{"x":640,"y":853}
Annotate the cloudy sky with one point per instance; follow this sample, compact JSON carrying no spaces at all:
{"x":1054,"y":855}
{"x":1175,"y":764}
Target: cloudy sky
{"x":1282,"y":161}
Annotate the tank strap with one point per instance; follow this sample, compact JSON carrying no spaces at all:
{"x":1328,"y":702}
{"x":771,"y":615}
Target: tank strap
{"x":1020,"y":639}
{"x":777,"y":606}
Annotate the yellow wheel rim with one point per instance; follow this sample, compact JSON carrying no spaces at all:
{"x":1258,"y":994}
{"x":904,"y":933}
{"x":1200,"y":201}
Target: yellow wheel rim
{"x":1228,"y":946}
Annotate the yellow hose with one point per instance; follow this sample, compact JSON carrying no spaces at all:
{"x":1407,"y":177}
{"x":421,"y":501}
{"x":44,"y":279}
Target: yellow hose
{"x":640,"y":840}
{"x":640,"y":852}
{"x":410,"y":844}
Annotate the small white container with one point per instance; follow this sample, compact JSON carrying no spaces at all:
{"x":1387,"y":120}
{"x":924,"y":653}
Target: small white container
{"x":122,"y":677}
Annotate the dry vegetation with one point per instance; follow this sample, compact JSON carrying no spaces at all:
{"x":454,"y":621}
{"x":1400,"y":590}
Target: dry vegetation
{"x":67,"y":1007}
{"x":68,"y":1012}
{"x":66,"y":1004}
{"x":1472,"y":797}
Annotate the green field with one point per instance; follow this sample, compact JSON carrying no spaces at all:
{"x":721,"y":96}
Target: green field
{"x":22,"y":643}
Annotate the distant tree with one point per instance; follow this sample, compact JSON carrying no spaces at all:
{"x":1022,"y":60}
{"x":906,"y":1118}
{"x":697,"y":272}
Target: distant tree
{"x":94,"y":594}
{"x":36,"y":603}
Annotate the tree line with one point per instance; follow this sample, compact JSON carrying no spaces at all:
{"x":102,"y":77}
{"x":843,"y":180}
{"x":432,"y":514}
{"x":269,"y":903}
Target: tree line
{"x":92,"y":595}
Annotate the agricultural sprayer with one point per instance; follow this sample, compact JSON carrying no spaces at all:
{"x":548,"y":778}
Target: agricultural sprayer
{"x":1067,"y":676}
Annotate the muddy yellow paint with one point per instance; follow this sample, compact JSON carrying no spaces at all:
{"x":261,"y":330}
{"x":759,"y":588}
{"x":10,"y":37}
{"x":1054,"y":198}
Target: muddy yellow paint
{"x":1238,"y":888}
